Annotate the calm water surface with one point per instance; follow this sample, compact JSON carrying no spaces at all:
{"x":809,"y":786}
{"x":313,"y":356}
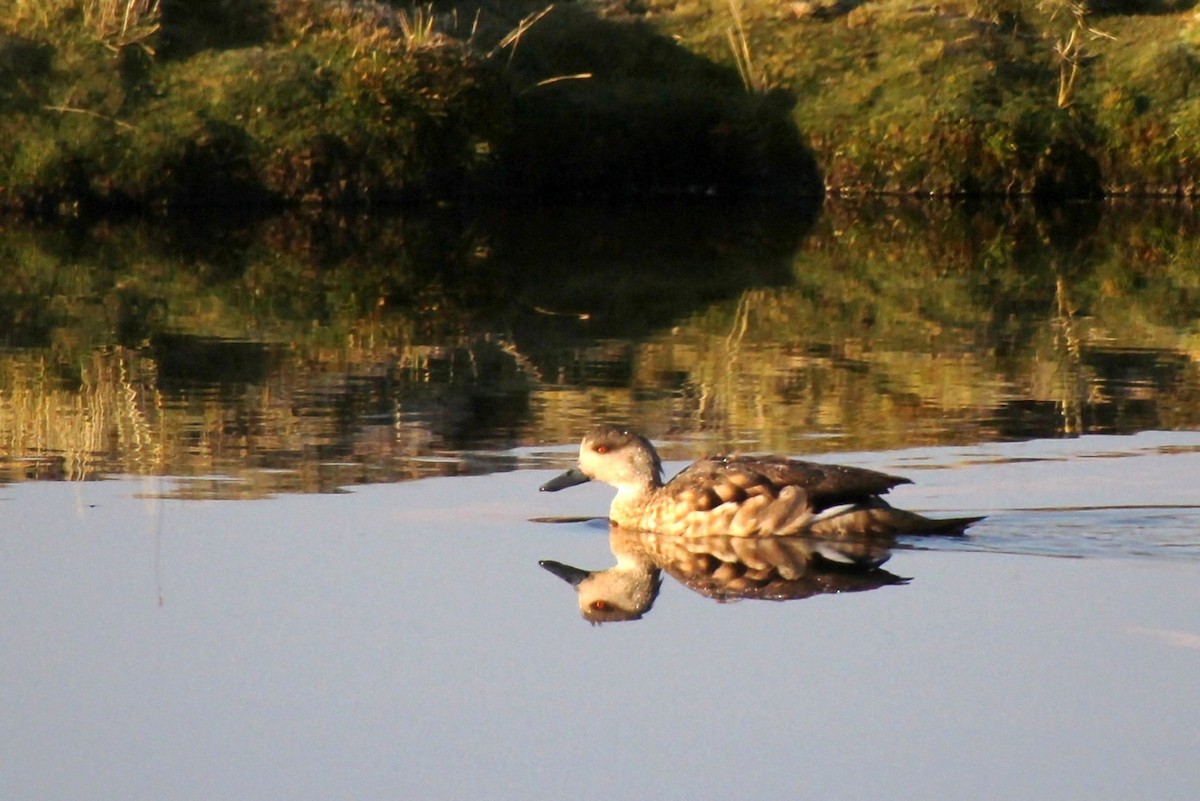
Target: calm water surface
{"x":401,"y":638}
{"x":255,"y":602}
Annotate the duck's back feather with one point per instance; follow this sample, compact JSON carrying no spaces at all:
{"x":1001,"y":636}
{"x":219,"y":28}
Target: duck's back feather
{"x":720,"y":479}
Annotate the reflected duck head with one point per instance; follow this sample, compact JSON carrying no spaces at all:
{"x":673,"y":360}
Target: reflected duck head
{"x":614,"y":456}
{"x":623,"y":592}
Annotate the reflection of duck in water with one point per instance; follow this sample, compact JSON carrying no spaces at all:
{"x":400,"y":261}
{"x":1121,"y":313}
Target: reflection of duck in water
{"x":742,"y":496}
{"x":732,"y":527}
{"x":725,"y":568}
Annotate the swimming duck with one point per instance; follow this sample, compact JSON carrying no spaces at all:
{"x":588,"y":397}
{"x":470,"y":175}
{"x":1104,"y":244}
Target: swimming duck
{"x":742,"y":496}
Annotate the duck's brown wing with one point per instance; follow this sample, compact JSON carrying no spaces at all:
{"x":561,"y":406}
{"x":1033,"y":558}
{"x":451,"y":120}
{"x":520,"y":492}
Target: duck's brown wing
{"x":735,"y":478}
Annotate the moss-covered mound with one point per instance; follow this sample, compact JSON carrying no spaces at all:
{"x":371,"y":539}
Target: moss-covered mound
{"x":325,"y":101}
{"x":1047,"y":97}
{"x":134,"y":103}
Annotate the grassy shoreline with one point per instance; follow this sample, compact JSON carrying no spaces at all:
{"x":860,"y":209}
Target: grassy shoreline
{"x":133,"y":104}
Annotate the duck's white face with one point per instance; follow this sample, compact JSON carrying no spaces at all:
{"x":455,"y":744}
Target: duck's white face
{"x":614,"y":456}
{"x":620,"y":458}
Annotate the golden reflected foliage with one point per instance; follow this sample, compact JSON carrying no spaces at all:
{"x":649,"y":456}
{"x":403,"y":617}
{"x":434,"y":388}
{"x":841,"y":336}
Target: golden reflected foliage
{"x":903,"y":328}
{"x":107,"y":422}
{"x":312,"y":354}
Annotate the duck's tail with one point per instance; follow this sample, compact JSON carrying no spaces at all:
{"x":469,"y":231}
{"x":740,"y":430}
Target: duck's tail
{"x":946,"y":526}
{"x":881,"y":519}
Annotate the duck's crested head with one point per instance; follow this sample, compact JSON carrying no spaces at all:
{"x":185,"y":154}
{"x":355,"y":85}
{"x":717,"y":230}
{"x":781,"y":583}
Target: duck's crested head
{"x":620,"y":457}
{"x":615,"y":456}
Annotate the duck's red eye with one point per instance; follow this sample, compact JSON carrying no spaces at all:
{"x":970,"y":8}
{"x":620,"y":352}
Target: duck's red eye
{"x":599,"y":606}
{"x":601,"y":449}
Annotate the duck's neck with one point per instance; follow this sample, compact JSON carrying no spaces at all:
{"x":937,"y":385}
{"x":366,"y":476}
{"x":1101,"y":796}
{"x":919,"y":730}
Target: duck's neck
{"x":631,"y":501}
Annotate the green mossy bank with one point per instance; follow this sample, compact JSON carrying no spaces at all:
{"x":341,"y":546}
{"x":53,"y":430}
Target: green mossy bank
{"x":340,"y":102}
{"x":999,"y":97}
{"x":110,"y":104}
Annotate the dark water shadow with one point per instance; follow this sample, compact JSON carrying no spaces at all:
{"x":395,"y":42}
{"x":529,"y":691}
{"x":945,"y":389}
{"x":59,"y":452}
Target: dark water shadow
{"x":579,"y":276}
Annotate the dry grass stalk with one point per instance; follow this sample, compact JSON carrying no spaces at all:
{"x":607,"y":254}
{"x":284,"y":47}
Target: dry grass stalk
{"x":120,"y":23}
{"x":740,"y":46}
{"x":514,"y":36}
{"x":116,"y":23}
{"x":1071,"y":50}
{"x":417,"y":27}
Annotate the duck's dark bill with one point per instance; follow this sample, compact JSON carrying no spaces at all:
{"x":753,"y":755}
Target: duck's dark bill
{"x":571,"y":575}
{"x":568,"y":479}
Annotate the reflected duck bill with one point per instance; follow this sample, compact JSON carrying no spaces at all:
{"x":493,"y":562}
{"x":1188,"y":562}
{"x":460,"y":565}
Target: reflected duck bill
{"x":568,"y":479}
{"x":569,"y":574}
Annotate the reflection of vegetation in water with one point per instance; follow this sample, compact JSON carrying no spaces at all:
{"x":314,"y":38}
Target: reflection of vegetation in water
{"x":900,"y":330}
{"x":314,"y":353}
{"x":281,"y":347}
{"x":316,"y":420}
{"x":110,"y":407}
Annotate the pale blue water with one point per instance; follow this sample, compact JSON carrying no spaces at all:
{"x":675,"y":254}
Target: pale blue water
{"x":400,"y":641}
